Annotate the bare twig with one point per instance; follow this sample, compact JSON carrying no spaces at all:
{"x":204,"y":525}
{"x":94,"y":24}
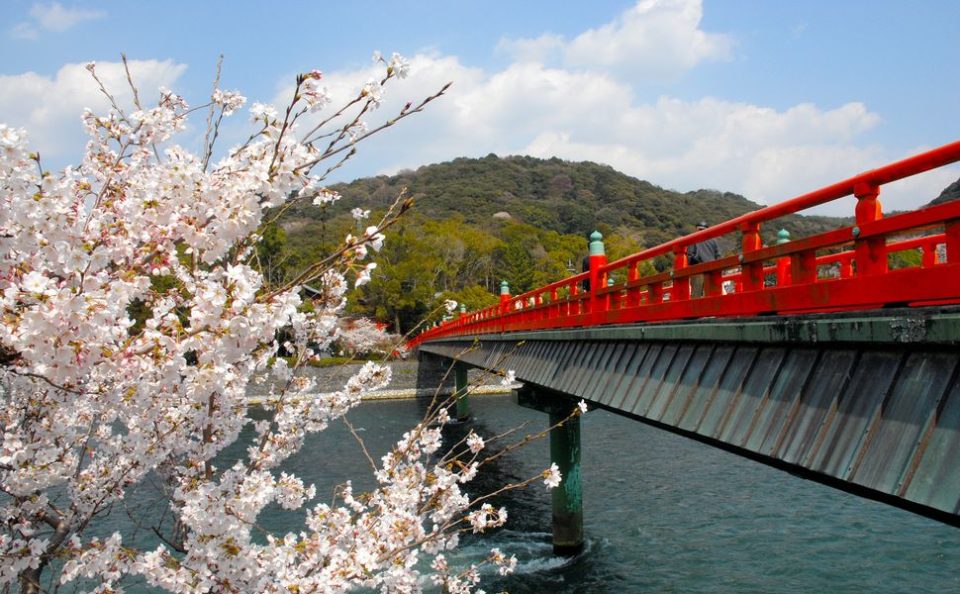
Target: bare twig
{"x":403,"y":114}
{"x":133,"y":87}
{"x":208,"y":142}
{"x":363,"y":446}
{"x":103,"y":89}
{"x":47,"y":381}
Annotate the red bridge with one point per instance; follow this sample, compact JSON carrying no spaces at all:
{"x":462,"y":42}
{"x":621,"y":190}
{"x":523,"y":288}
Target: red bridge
{"x":814,"y":355}
{"x":845,"y":269}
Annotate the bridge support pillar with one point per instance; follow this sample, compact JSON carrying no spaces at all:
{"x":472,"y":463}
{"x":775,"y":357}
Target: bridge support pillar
{"x":565,"y":453}
{"x":461,"y":394}
{"x":433,"y":375}
{"x":568,"y":497}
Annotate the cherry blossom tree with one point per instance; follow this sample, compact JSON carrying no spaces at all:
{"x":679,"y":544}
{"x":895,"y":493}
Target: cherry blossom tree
{"x":97,"y":398}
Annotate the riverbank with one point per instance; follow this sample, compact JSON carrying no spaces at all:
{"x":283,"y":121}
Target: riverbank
{"x":403,"y":383}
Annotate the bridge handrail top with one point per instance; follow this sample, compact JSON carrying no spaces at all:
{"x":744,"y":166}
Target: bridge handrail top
{"x":913,"y":165}
{"x":865,"y":186}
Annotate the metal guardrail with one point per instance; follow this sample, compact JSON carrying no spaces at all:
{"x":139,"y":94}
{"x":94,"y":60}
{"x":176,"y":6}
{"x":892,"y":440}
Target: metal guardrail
{"x":840,"y":270}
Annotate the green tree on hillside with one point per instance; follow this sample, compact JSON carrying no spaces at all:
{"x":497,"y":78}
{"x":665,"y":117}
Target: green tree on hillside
{"x":402,"y":287}
{"x":516,"y":266}
{"x":466,"y":254}
{"x":273,"y":254}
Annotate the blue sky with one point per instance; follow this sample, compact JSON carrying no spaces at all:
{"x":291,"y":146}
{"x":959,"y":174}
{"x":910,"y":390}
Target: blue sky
{"x":765,"y":98}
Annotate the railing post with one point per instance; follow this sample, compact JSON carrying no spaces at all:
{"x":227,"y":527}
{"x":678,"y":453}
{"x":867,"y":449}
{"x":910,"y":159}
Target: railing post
{"x":655,"y":293}
{"x":461,"y":394}
{"x":504,"y":303}
{"x":713,"y":283}
{"x":952,"y":231}
{"x":783,"y":262}
{"x":929,"y":257}
{"x":598,"y":257}
{"x":613,"y":299}
{"x":846,"y":267}
{"x":681,"y":286}
{"x":871,"y":252}
{"x":504,"y":295}
{"x":633,"y":293}
{"x":751,"y":274}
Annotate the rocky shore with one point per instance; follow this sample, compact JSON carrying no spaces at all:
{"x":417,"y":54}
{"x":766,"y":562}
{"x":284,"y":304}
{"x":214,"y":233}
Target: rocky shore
{"x":403,"y":383}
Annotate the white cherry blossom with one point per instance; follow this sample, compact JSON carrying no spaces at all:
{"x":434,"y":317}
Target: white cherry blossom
{"x":398,"y":66}
{"x":474,"y":442}
{"x":134,"y":317}
{"x":363,"y":277}
{"x":551,"y":477}
{"x":229,"y":101}
{"x":373,"y":92}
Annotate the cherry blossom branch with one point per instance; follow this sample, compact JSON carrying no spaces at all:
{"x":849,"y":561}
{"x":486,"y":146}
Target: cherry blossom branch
{"x":404,"y":113}
{"x":92,"y":68}
{"x":133,"y":87}
{"x":360,"y":442}
{"x":45,"y":380}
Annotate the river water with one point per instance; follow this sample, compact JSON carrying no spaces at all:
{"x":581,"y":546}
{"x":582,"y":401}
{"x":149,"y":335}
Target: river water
{"x":666,"y":514}
{"x":661,"y":514}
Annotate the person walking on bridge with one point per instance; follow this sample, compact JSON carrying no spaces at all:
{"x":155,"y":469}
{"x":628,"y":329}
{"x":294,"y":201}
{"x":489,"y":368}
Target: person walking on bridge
{"x":706,"y":251}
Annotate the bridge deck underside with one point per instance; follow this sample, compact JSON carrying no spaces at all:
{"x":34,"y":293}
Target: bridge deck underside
{"x":879,"y":419}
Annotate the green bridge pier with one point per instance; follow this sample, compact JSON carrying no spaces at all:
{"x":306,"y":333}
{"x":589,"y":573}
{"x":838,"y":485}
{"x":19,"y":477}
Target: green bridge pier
{"x":567,"y":498}
{"x":461,"y":392}
{"x":565,"y":453}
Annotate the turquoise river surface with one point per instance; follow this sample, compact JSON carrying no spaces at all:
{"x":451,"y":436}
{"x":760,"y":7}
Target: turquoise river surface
{"x":662,"y":514}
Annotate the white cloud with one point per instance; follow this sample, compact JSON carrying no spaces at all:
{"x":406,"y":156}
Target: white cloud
{"x":592,"y":113}
{"x":52,"y":17}
{"x":24,"y":31}
{"x":49,"y":108}
{"x":544,"y":109}
{"x":540,"y":49}
{"x":763,"y":153}
{"x":655,"y":39}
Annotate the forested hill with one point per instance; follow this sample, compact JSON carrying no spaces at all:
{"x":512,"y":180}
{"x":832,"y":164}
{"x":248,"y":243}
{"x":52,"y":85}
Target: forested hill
{"x":555,"y":195}
{"x":479,"y":221}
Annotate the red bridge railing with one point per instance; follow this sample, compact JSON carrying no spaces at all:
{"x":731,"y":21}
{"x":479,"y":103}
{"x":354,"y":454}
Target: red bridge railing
{"x":844,"y":269}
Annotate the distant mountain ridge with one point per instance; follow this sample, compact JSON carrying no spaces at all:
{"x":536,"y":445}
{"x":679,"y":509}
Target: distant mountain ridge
{"x":524,"y":220}
{"x":478,"y":222}
{"x":553,"y":194}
